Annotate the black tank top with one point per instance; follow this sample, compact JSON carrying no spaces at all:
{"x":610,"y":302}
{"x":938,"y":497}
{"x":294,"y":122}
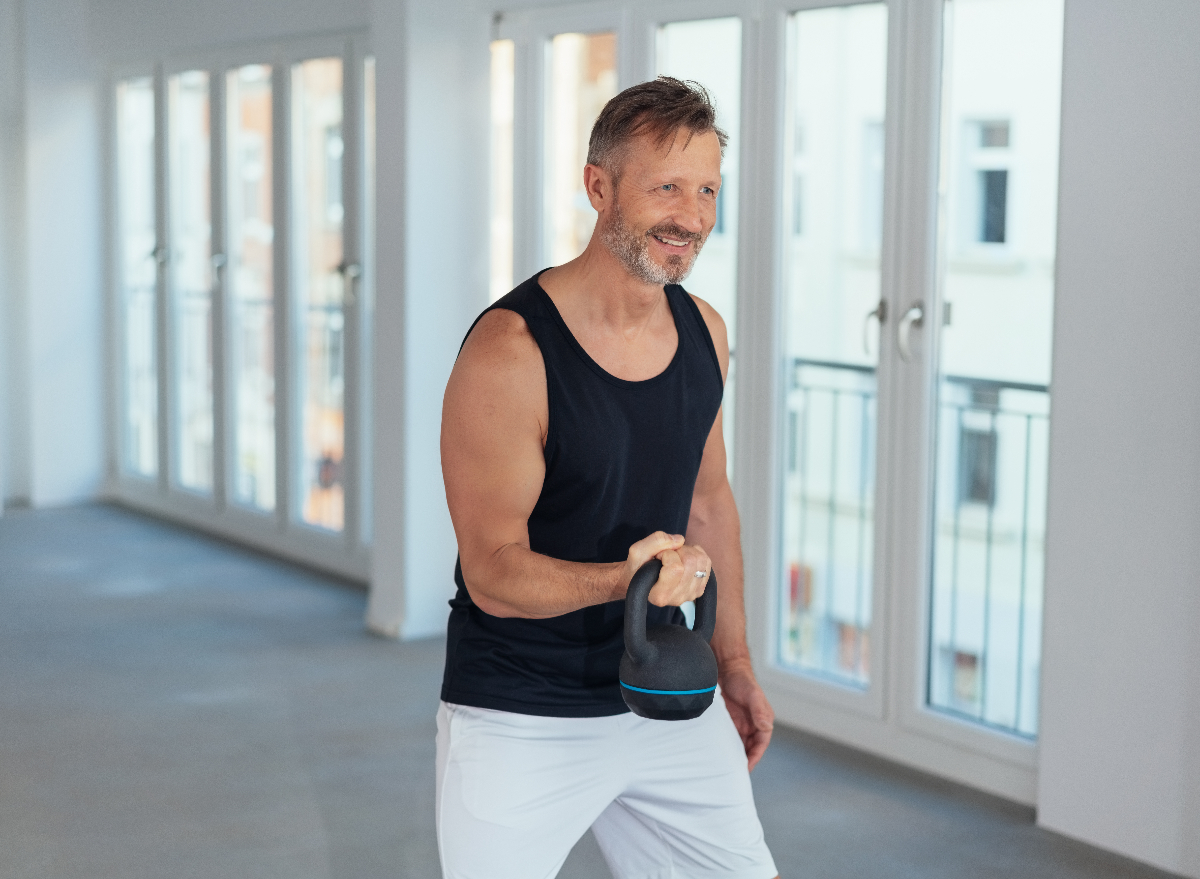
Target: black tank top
{"x":621,"y":462}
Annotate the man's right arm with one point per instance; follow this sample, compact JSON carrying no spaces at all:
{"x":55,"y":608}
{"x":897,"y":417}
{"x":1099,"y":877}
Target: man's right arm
{"x":495,"y":418}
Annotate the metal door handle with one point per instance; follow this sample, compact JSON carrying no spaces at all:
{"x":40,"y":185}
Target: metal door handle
{"x":350,"y":273}
{"x":914,"y":317}
{"x":879,"y":313}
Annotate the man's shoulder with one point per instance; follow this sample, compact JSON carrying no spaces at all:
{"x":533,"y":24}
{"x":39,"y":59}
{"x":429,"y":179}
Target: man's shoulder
{"x":500,"y":336}
{"x":711,"y":316}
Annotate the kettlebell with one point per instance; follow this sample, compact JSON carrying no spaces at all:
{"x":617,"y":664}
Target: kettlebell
{"x":668,"y":672}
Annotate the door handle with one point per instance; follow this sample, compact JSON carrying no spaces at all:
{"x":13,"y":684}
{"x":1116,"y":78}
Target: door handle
{"x":350,"y":273}
{"x":880,"y":314}
{"x":914,"y":317}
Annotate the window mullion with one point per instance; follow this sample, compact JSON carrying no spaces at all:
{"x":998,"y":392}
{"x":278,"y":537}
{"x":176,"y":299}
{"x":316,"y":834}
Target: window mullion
{"x":164,"y":360}
{"x":284,"y":329}
{"x":220,"y":253}
{"x":351,"y":279}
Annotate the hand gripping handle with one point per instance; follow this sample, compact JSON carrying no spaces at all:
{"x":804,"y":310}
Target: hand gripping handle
{"x":637,"y":598}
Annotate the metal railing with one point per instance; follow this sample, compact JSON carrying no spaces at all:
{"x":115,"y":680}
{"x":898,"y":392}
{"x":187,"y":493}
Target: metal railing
{"x":985,"y":590}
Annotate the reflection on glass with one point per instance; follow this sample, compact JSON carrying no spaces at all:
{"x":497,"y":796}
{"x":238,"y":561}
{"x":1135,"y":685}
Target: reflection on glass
{"x":250,"y":283}
{"x":999,"y":178}
{"x":139,"y":275}
{"x":710,"y":52}
{"x":581,"y":78}
{"x":317,"y":153}
{"x":366,"y":304}
{"x":502,"y":169}
{"x":837,"y":72}
{"x":191,"y":275}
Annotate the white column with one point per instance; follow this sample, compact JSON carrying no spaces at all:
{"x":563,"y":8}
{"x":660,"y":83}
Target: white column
{"x":14,"y":402}
{"x":1120,"y":728}
{"x":432,"y":270}
{"x":53,"y":294}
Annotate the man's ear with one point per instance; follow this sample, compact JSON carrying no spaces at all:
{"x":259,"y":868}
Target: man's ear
{"x":598,"y":184}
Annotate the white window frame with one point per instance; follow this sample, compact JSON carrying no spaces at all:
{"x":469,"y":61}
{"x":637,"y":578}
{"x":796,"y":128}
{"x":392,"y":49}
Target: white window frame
{"x":280,"y":531}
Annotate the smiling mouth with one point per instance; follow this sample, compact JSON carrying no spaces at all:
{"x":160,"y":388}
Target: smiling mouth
{"x":672,"y":242}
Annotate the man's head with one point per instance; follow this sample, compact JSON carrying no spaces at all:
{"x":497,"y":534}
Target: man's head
{"x":654,"y":172}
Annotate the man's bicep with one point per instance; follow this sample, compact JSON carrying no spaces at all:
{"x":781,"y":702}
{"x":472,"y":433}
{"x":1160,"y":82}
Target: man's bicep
{"x":492,"y":427}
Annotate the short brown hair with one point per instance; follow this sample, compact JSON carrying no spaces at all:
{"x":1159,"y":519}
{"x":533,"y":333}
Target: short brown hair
{"x":660,"y":107}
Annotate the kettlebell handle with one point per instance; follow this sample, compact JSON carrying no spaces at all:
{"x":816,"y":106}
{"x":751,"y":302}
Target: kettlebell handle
{"x":637,"y":599}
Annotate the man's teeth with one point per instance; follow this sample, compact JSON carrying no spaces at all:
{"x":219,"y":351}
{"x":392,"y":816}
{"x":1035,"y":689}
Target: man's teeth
{"x":671,"y":241}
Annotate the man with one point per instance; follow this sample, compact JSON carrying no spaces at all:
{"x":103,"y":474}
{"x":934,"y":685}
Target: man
{"x":581,"y":437}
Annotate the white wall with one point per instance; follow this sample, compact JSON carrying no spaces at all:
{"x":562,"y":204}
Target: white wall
{"x":1120,"y":737}
{"x":13,"y":442}
{"x":52,"y":444}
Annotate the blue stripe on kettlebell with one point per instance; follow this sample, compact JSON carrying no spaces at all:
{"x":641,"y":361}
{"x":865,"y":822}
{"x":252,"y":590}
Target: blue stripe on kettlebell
{"x":668,"y":692}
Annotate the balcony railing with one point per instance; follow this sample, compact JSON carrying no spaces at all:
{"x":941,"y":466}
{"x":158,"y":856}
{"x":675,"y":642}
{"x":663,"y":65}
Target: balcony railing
{"x":985,"y":599}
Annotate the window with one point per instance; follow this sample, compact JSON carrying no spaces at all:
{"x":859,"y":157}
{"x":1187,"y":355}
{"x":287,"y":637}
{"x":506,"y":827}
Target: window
{"x":250,"y":282}
{"x":977,"y":466}
{"x":993,"y":405}
{"x":828,"y":492}
{"x":581,"y":77}
{"x":894,"y":521}
{"x":190,"y":262}
{"x":501,"y":191}
{"x":987,"y":161}
{"x":242,"y":367}
{"x":137,"y":261}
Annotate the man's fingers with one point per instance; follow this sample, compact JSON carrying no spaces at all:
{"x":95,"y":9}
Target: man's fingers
{"x":756,"y":747}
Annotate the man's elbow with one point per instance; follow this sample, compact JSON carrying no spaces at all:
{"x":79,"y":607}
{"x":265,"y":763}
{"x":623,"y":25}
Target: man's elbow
{"x":493,"y":607}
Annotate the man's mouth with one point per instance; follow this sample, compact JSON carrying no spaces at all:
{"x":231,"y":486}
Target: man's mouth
{"x":671,"y":241}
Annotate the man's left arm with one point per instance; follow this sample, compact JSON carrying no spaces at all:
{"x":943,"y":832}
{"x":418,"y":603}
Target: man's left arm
{"x":713,"y":524}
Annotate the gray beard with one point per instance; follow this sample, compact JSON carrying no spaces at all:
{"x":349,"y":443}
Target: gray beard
{"x":633,"y":251}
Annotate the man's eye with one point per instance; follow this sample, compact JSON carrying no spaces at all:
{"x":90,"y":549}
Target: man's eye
{"x":668,"y":187}
{"x":707,"y":189}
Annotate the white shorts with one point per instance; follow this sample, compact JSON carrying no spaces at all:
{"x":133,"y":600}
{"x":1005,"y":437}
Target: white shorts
{"x":666,"y":800}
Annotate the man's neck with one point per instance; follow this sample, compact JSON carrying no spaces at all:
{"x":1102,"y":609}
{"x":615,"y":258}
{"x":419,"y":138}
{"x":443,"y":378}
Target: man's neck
{"x":596,"y":290}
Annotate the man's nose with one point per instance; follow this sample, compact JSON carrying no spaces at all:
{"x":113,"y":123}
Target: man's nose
{"x":692,"y":216}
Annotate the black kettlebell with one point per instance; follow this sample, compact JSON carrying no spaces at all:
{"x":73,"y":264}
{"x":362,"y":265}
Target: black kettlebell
{"x":668,"y":672}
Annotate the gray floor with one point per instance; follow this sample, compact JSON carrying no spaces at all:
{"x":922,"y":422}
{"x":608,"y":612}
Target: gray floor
{"x":171,"y":706}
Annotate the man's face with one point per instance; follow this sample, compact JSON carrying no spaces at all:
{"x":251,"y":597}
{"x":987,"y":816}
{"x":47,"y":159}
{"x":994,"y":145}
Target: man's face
{"x":664,"y":206}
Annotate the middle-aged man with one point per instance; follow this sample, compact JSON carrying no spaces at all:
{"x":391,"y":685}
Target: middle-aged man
{"x":581,"y":437}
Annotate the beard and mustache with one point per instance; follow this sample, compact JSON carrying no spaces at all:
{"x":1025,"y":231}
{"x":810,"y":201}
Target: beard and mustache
{"x":632,"y":249}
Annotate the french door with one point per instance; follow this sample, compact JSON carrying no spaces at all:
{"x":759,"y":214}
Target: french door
{"x":243,"y":284}
{"x":885,"y":266}
{"x":909,"y":387}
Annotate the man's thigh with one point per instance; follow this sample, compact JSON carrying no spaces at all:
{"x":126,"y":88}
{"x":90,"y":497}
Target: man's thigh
{"x":687,"y":809}
{"x":515,"y":792}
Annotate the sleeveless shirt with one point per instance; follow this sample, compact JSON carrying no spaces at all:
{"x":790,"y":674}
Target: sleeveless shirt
{"x":622,"y":459}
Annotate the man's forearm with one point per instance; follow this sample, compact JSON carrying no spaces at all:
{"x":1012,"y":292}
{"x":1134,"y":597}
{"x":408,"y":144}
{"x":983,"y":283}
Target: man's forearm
{"x":714,"y":525}
{"x":517,"y":582}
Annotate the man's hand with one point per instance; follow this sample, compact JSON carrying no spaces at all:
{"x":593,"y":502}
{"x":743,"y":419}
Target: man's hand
{"x":677,"y":581}
{"x":751,"y":712}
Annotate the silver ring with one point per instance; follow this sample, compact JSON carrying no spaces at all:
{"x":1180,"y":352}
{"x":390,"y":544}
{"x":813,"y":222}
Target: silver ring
{"x":700,"y":574}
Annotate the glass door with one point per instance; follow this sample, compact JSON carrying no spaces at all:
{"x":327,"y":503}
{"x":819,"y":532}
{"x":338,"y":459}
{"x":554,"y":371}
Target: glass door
{"x":581,"y":77}
{"x":246,"y":348}
{"x":250,"y":281}
{"x":999,"y":142}
{"x":319,"y":287}
{"x":833,"y":302}
{"x":190,"y":261}
{"x":137,"y":285}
